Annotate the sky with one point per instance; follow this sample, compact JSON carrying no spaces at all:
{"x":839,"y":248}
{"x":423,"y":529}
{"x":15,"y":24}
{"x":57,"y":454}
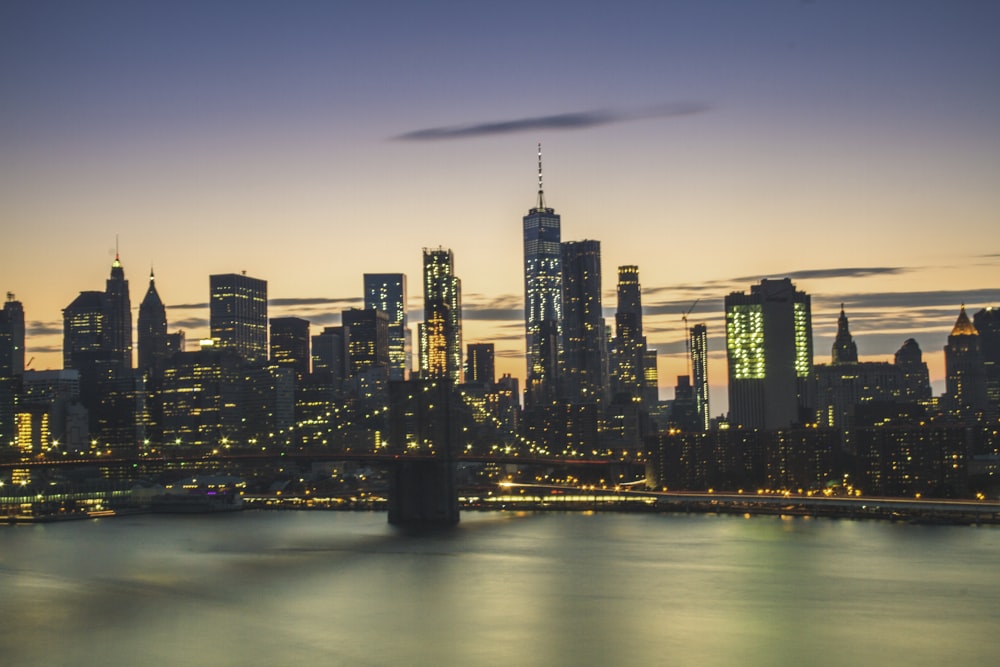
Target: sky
{"x":851,"y":145}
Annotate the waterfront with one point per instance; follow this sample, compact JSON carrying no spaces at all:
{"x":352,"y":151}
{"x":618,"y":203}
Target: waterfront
{"x":503,"y":588}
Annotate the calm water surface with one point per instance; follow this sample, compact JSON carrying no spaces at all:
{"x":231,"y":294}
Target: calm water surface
{"x":336,"y":588}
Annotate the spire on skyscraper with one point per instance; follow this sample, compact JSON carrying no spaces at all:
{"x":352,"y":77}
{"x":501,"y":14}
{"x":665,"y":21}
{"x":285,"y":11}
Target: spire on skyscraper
{"x":541,"y":191}
{"x":963,"y":327}
{"x":845,"y":350}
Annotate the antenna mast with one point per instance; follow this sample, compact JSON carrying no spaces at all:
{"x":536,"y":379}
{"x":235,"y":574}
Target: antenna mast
{"x":541,"y":197}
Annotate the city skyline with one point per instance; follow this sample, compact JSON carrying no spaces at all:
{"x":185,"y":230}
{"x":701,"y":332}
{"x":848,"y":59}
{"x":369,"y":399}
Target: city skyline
{"x":852,"y":148}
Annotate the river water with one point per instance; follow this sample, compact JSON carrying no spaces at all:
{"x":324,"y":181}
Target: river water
{"x":342,"y":588}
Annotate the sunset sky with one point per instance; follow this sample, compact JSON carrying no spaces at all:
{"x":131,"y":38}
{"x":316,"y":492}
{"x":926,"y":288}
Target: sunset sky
{"x":852,"y":145}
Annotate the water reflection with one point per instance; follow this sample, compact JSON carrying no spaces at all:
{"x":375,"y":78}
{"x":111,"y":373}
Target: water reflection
{"x":501,"y":588}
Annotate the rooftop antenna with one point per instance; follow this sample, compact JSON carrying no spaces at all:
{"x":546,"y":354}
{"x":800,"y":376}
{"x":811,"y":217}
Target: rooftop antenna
{"x":541,"y":197}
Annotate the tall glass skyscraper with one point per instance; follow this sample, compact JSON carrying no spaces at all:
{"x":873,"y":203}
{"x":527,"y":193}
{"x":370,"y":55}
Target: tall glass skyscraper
{"x":441,"y":332}
{"x":543,"y":296}
{"x":387,"y":292}
{"x":238,"y":314}
{"x":699,"y":369}
{"x":119,"y":322}
{"x":585,"y":353}
{"x":769,"y":348}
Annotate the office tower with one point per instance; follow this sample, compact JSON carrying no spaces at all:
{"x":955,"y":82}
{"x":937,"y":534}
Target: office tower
{"x":152,"y":334}
{"x":176,"y":342}
{"x":238,"y":315}
{"x":203,"y":398}
{"x":84,"y":325}
{"x":684,"y":408}
{"x":629,"y":344}
{"x":367,"y":340}
{"x":387,"y":292}
{"x":11,"y":366}
{"x":290,"y":344}
{"x":543,"y":307}
{"x":965,"y":376}
{"x":585,"y":366}
{"x":769,"y":350}
{"x":699,"y":371}
{"x":845,"y":350}
{"x":441,"y":339}
{"x":118,"y":327}
{"x":916,"y":377}
{"x":479,"y":366}
{"x":12,"y":337}
{"x":987,"y":323}
{"x":650,"y":379}
{"x":329,"y":355}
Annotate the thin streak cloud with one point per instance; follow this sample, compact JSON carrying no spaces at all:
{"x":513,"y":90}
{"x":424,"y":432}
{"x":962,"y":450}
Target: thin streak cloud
{"x":576,"y":120}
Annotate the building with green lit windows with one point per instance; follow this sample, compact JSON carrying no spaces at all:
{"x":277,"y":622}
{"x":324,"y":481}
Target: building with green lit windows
{"x":769,"y":350}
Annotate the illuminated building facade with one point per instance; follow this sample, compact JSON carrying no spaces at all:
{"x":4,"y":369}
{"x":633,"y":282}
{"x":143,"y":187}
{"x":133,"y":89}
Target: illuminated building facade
{"x":152,"y":330}
{"x":543,"y":297}
{"x":290,"y":344}
{"x":584,"y":378}
{"x":769,"y":352}
{"x":441,"y":333}
{"x":238,"y":315}
{"x":699,"y":372}
{"x":202,"y":397}
{"x":387,"y":292}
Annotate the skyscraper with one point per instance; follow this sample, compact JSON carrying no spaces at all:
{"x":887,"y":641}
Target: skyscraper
{"x":916,"y":378}
{"x":987,"y":323}
{"x":585,"y":358}
{"x":699,"y":369}
{"x":543,"y":306}
{"x":11,"y":366}
{"x":387,"y":292}
{"x":965,"y":373}
{"x":119,"y":319}
{"x":845,"y":350}
{"x":290,"y":344}
{"x":238,"y":314}
{"x":152,"y":330}
{"x":441,"y":338}
{"x":367,"y":334}
{"x":480,"y":367}
{"x":629,"y":342}
{"x":769,"y":350}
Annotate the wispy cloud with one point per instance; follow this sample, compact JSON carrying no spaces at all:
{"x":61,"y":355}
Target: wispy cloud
{"x":38,"y":328}
{"x":576,"y":120}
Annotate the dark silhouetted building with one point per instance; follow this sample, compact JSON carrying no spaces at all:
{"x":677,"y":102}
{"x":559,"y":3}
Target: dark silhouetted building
{"x":387,"y":292}
{"x":11,"y":366}
{"x":987,"y":324}
{"x":916,"y":377}
{"x":118,"y":327}
{"x":367,"y":340}
{"x":480,"y":367}
{"x":290,"y":344}
{"x":769,"y":350}
{"x":238,"y":315}
{"x":584,"y":378}
{"x":152,"y":331}
{"x":329,"y":356}
{"x":965,"y":372}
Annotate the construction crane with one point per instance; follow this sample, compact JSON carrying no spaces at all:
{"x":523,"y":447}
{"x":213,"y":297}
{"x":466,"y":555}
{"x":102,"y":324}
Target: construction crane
{"x":687,"y":336}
